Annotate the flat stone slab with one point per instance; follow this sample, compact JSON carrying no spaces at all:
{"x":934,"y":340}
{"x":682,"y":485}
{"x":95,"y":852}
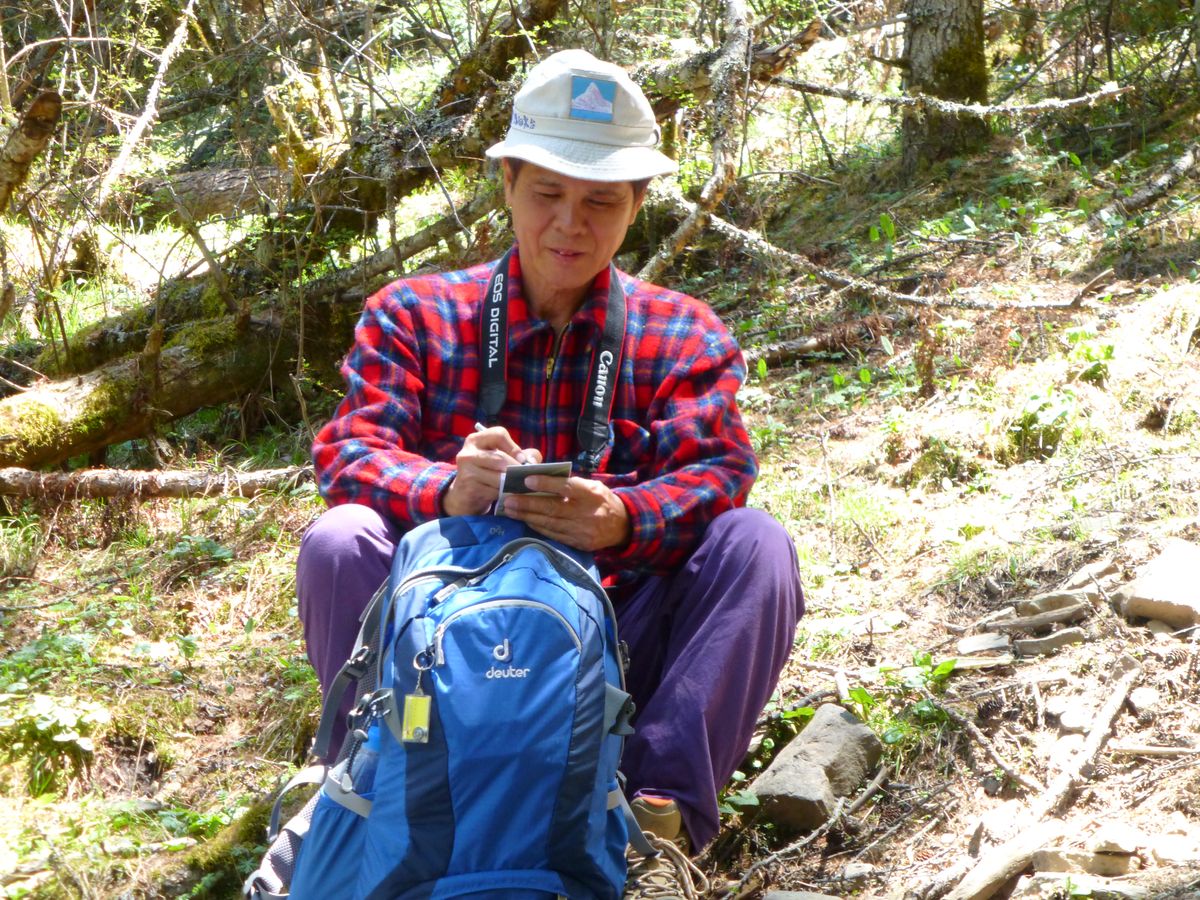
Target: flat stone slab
{"x":1099,"y":570}
{"x":1053,"y":600}
{"x":1051,"y":643}
{"x":1069,"y":859}
{"x":983,"y":643}
{"x":1166,"y":588}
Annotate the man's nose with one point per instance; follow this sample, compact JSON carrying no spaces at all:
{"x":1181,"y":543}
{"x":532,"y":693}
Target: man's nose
{"x":570,"y":217}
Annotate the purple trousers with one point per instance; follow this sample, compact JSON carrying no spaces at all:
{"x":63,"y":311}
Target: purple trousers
{"x":706,"y":644}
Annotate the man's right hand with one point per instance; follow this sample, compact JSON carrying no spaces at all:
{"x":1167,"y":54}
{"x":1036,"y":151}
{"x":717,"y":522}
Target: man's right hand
{"x":481,"y":464}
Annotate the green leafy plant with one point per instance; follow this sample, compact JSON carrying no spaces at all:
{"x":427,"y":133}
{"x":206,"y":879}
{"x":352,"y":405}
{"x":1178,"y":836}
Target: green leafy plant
{"x":1038,"y":429}
{"x":1092,"y":355}
{"x":54,"y":735}
{"x":21,"y":541}
{"x":885,"y":231}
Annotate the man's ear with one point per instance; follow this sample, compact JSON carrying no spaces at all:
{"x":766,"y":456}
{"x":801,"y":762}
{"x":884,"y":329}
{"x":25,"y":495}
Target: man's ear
{"x":507,"y":173}
{"x":637,"y":206}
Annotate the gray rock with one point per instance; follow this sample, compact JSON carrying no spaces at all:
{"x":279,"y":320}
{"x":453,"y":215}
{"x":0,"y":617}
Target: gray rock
{"x":1057,"y":704}
{"x":1053,"y":600}
{"x":1166,"y":587}
{"x":1099,"y":570}
{"x":829,"y":759}
{"x":797,"y":895}
{"x":1117,"y":837}
{"x":857,"y":871}
{"x":1175,"y":849}
{"x":1051,"y":643}
{"x":1078,"y":720}
{"x":1159,"y":628}
{"x":997,"y":826}
{"x":983,"y":643}
{"x":1074,"y":714}
{"x":1068,"y":859}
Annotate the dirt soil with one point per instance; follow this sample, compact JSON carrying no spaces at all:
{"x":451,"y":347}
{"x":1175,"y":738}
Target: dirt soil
{"x":916,"y":521}
{"x":916,"y":526}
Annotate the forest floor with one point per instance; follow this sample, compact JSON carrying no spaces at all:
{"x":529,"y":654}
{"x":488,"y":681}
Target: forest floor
{"x":154,"y":688}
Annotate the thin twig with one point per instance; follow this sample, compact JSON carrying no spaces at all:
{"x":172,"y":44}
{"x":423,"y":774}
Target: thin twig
{"x":1030,"y":784}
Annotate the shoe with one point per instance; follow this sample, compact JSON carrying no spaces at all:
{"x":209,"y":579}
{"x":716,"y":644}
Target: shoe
{"x":669,"y":874}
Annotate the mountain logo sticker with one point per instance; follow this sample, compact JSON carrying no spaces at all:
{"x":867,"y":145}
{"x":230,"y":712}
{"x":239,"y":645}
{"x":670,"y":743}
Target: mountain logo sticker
{"x":592,"y":98}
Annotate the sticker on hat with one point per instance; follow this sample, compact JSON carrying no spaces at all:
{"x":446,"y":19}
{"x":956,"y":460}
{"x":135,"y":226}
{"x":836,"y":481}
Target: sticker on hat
{"x":592,"y":98}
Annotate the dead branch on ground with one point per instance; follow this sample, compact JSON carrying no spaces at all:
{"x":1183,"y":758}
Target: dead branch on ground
{"x":1058,"y":792}
{"x":90,"y":483}
{"x":1179,"y":169}
{"x":1030,"y":784}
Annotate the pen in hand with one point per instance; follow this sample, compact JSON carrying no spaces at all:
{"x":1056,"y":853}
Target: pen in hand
{"x":521,"y":456}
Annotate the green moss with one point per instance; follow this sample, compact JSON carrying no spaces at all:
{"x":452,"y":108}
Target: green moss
{"x":212,"y":304}
{"x":27,"y":431}
{"x":221,"y":864}
{"x":961,"y":72}
{"x":97,"y":343}
{"x":201,"y":336}
{"x":110,"y":397}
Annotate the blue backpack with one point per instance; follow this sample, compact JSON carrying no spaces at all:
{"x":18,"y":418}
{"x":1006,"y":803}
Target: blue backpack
{"x":483,"y":749}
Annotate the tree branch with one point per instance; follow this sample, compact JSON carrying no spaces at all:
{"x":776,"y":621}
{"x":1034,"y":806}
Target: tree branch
{"x":26,"y":141}
{"x":948,"y":107}
{"x":89,"y":483}
{"x":730,"y":72}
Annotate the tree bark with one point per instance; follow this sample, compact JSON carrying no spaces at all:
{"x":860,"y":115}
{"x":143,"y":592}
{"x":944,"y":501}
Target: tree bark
{"x":26,"y":141}
{"x":202,"y":194}
{"x":944,"y":54}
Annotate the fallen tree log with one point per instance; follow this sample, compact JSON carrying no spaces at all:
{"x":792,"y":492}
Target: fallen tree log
{"x":207,"y":364}
{"x":139,"y":484}
{"x":202,"y":194}
{"x":184,"y":302}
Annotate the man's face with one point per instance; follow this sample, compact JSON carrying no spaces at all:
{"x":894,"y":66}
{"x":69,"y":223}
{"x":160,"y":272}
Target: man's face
{"x":568,"y":229}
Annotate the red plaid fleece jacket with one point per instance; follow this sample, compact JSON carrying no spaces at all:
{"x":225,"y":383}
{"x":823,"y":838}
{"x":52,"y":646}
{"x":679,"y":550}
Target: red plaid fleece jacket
{"x":679,"y":453}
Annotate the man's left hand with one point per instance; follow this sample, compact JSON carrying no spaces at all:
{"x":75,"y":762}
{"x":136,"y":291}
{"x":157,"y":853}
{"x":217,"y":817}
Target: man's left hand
{"x":583,"y":514}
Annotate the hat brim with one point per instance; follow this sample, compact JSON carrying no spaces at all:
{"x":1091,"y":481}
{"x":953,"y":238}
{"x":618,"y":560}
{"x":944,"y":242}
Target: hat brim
{"x":584,"y":159}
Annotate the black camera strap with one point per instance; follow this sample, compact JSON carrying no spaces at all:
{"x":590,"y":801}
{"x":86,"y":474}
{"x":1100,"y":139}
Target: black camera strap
{"x":592,"y":431}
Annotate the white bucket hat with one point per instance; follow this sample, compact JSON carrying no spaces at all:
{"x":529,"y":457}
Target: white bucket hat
{"x":582,"y":117}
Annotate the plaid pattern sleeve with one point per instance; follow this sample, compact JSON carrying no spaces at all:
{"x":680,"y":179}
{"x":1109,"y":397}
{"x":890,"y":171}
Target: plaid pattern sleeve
{"x":378,"y":450}
{"x":695,"y":456}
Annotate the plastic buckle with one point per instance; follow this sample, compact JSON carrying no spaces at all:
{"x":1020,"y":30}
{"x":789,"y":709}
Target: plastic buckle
{"x":357,"y":665}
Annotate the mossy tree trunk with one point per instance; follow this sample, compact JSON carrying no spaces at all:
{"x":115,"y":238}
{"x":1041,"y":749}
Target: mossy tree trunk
{"x":944,"y":51}
{"x":209,"y":363}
